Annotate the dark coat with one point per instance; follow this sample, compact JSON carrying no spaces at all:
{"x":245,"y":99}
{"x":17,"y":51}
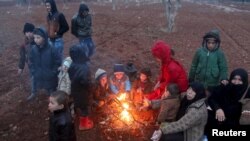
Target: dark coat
{"x":80,"y":77}
{"x":45,"y":62}
{"x":24,"y":53}
{"x":61,"y":126}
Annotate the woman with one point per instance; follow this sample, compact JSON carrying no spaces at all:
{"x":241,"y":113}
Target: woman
{"x":224,"y":101}
{"x":192,"y":118}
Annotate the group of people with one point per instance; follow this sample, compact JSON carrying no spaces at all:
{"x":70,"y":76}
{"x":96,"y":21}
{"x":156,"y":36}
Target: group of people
{"x":190,"y":105}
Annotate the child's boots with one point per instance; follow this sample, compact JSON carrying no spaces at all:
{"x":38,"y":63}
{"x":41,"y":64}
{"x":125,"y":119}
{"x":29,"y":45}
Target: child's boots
{"x":85,"y":123}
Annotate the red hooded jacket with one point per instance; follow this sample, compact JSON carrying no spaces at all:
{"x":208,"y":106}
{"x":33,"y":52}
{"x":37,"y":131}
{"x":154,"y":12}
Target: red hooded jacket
{"x":171,"y":70}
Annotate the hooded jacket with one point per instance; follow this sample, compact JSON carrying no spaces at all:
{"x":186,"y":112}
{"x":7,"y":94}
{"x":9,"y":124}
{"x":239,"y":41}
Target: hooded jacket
{"x":44,"y":62}
{"x":80,"y":77}
{"x":171,"y":70}
{"x":81,"y":26}
{"x":56,"y":22}
{"x":209,"y":66}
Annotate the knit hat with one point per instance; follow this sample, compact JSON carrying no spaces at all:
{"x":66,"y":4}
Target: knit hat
{"x":173,"y":89}
{"x":146,"y":71}
{"x":119,"y":68}
{"x":100,"y":73}
{"x":67,"y":62}
{"x":28,"y":27}
{"x":130,"y":68}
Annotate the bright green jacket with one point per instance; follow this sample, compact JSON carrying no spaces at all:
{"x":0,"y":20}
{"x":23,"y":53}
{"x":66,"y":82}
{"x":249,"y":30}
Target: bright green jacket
{"x":208,"y":67}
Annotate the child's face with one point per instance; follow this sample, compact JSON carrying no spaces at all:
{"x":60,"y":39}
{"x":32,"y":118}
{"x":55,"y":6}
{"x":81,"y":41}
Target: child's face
{"x":237,"y":80}
{"x":48,"y":6}
{"x":211,"y":44}
{"x":38,"y":39}
{"x":190,"y":93}
{"x":65,"y":68}
{"x":53,"y":105}
{"x":29,"y":35}
{"x":143,"y":77}
{"x":103,"y":81}
{"x":119,"y":75}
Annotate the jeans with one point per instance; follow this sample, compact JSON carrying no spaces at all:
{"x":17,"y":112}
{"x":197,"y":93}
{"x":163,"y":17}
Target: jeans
{"x":88,"y":46}
{"x":58,"y":44}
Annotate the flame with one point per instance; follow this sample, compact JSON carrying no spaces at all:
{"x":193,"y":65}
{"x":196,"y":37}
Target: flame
{"x":125,"y":116}
{"x":125,"y":106}
{"x":122,"y":97}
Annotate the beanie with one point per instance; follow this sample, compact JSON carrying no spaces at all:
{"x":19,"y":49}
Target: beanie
{"x":99,"y":73}
{"x":67,"y":62}
{"x":28,"y":27}
{"x":147,"y":72}
{"x":130,"y":68}
{"x":173,"y":89}
{"x":118,"y":68}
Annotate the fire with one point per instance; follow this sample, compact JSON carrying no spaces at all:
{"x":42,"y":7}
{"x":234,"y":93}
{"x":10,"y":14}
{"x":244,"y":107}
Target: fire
{"x":125,"y":116}
{"x":122,"y":97}
{"x":125,"y":106}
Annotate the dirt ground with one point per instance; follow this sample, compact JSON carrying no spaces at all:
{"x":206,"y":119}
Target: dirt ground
{"x":126,"y":34}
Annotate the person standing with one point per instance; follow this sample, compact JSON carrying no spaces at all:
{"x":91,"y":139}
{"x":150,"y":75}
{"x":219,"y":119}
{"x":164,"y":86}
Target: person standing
{"x":81,"y":27}
{"x":56,"y":26}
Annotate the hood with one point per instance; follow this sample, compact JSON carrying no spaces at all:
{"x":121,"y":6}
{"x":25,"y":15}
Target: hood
{"x":78,"y":55}
{"x":162,"y":51}
{"x":212,"y":34}
{"x":42,"y":32}
{"x":53,"y":6}
{"x":83,"y":7}
{"x":238,"y":89}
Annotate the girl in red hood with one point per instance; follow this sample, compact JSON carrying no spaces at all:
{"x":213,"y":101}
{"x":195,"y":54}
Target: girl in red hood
{"x":171,"y":71}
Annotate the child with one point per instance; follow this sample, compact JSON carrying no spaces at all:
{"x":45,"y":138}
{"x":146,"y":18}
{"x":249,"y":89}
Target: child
{"x":119,"y":81}
{"x":101,"y":90}
{"x":209,"y":64}
{"x":25,"y":51}
{"x":169,"y":104}
{"x":141,"y":87}
{"x":63,"y":77}
{"x":61,"y":126}
{"x":81,"y":27}
{"x":44,"y":63}
{"x":171,"y":70}
{"x":79,"y":75}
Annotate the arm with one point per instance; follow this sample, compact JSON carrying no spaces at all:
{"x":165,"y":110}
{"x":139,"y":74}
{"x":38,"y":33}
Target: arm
{"x":223,"y":66}
{"x":114,"y":89}
{"x":74,"y":26}
{"x":127,"y":85}
{"x":64,"y":27}
{"x":22,"y":57}
{"x":193,"y":67}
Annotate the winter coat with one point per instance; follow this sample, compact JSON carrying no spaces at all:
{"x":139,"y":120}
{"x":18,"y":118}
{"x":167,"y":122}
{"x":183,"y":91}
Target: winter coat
{"x":81,"y":27}
{"x":64,"y":83}
{"x":168,"y":108}
{"x":24,"y":53}
{"x":79,"y":75}
{"x":61,"y":126}
{"x":45,"y":62}
{"x":101,"y":93}
{"x":192,"y":123}
{"x":119,"y":86}
{"x":171,"y":70}
{"x":56,"y":22}
{"x":209,"y":67}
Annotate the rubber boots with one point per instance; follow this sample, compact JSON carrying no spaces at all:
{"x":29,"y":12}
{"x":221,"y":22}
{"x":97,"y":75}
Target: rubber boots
{"x":85,"y":123}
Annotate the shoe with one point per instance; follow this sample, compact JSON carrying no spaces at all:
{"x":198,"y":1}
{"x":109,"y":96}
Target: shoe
{"x":31,"y":97}
{"x":85,"y":123}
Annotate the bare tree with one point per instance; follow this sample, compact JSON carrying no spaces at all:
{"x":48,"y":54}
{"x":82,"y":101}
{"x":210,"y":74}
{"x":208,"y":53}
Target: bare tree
{"x":171,"y":7}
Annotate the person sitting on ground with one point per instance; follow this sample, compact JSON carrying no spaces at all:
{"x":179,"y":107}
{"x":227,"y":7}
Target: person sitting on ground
{"x":171,"y":70}
{"x":101,"y":88}
{"x":61,"y":124}
{"x":119,"y":81}
{"x":141,"y":87}
{"x":191,"y":118}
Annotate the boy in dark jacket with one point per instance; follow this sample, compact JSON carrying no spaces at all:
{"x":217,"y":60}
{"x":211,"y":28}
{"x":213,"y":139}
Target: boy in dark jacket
{"x":209,"y":65}
{"x":45,"y":62}
{"x":25,"y":50}
{"x":79,"y":75}
{"x":56,"y":26}
{"x":81,"y":27}
{"x":61,"y":126}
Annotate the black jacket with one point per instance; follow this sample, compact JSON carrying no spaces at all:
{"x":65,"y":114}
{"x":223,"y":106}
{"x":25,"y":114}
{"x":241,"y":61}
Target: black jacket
{"x":61,"y":126}
{"x":24,"y":53}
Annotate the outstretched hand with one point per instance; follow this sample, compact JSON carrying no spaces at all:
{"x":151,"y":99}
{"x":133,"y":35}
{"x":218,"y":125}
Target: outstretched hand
{"x":156,"y":135}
